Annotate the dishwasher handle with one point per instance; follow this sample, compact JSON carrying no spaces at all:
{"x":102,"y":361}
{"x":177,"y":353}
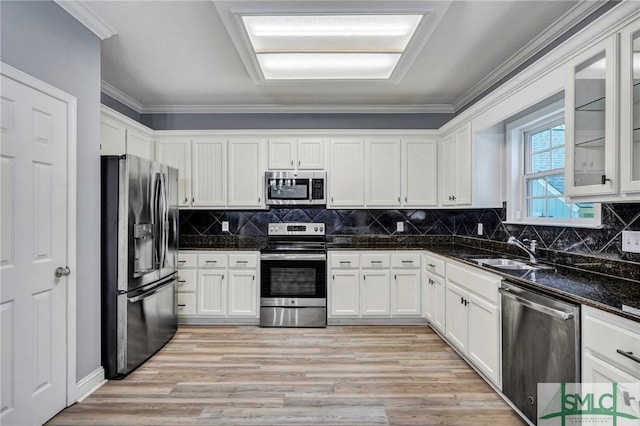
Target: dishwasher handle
{"x":536,"y":306}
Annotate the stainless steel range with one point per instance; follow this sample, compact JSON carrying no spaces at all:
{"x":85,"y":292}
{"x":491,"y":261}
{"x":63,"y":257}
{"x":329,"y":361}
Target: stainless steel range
{"x":293,"y":288}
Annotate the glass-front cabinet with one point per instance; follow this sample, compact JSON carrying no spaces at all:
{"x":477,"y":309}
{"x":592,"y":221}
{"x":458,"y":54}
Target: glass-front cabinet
{"x":630,"y":108}
{"x":591,"y":127}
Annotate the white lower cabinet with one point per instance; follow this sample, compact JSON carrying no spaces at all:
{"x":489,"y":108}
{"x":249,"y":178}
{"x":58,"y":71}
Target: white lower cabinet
{"x":217,"y":285}
{"x":374,"y":284}
{"x":434,"y":300}
{"x":610,"y":348}
{"x":473,"y":317}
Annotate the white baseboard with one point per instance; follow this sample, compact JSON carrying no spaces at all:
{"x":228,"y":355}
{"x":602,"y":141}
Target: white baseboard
{"x":90,"y":384}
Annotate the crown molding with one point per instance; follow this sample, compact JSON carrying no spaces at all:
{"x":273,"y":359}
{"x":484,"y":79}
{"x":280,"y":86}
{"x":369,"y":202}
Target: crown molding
{"x":121,"y":97}
{"x":559,"y":27}
{"x":87,"y":17}
{"x":297,"y":109}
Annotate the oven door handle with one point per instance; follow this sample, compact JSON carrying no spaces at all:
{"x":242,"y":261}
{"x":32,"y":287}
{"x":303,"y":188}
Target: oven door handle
{"x":293,"y":256}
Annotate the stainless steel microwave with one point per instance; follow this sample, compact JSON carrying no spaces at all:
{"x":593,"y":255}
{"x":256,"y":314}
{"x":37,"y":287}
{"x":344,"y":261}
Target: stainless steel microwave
{"x":298,"y":188}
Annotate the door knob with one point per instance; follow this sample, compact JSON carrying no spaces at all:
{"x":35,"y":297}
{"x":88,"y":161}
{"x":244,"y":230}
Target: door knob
{"x":62,"y":272}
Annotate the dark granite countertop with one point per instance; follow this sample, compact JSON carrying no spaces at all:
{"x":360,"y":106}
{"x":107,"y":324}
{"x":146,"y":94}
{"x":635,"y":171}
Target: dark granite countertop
{"x":221,"y":243}
{"x":598,"y":290}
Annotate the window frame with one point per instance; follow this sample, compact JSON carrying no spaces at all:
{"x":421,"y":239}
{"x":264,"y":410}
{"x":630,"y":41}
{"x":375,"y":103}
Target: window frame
{"x":517,"y":157}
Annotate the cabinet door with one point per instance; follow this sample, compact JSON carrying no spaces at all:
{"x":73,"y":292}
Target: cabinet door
{"x":139,"y":144}
{"x":243,"y":296}
{"x":595,"y":370}
{"x":246,"y":173}
{"x":212,"y":293}
{"x":177,"y":153}
{"x":209,"y":182}
{"x":346,"y":180}
{"x":630,"y":108}
{"x":447,"y":165}
{"x":311,"y":154}
{"x":484,"y":336}
{"x":405,"y":293}
{"x":464,"y":166}
{"x":344,"y":293}
{"x":430,"y":299}
{"x":113,"y":137}
{"x":382,"y":172}
{"x":374,"y":295}
{"x":420,"y":173}
{"x":441,"y":303}
{"x":456,"y":317}
{"x":591,"y":128}
{"x":282,"y":153}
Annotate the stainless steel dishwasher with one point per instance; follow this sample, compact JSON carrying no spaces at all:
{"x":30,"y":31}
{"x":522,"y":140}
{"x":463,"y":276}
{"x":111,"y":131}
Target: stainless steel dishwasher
{"x":540,"y":344}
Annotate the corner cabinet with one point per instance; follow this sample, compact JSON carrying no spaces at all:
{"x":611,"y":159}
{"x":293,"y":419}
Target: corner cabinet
{"x":591,"y":128}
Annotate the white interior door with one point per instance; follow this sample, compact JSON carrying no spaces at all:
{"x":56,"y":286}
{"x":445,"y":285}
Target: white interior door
{"x":33,"y":238}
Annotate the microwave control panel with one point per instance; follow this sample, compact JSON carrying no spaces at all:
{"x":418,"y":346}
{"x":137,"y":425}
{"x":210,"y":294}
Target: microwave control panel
{"x":317,"y":189}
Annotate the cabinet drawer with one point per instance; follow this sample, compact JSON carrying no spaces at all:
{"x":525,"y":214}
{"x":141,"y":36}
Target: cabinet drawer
{"x":405,"y":260}
{"x":344,"y":260}
{"x":243,"y":261}
{"x":375,"y":260}
{"x":186,"y":281}
{"x":186,"y":304}
{"x":485,"y":285}
{"x":605,"y":334}
{"x":187,"y":260}
{"x":212,"y":260}
{"x":434,"y":264}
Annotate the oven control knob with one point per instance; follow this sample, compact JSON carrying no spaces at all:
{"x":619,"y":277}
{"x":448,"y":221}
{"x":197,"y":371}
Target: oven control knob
{"x":315,"y":229}
{"x":321,"y":229}
{"x":293,"y":302}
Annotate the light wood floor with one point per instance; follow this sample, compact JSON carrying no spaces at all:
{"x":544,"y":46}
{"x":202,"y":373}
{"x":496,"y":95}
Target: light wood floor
{"x":360,"y":375}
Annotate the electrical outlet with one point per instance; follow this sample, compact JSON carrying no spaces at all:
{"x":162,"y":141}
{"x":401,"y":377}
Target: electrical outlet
{"x":399,"y":226}
{"x":225,"y":226}
{"x":631,"y":241}
{"x":480,"y":229}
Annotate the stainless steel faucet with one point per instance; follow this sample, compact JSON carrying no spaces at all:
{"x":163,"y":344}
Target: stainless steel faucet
{"x":531,"y":250}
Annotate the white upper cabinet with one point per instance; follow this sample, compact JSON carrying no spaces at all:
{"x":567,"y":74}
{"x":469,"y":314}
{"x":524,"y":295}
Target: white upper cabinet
{"x":346,"y":176}
{"x":419,"y":172}
{"x":120,"y":135}
{"x":209,"y":162}
{"x":456,"y":166}
{"x":591,"y":128}
{"x":246,"y":173}
{"x":176,"y":152}
{"x":296,"y":153}
{"x":630,"y":108}
{"x":382,"y":172}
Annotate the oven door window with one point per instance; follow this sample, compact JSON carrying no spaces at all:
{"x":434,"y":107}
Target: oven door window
{"x":293,"y":279}
{"x":299,"y":191}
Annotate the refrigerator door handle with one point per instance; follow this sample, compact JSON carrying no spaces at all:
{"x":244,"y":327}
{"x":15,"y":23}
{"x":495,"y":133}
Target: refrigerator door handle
{"x":152,"y":291}
{"x":155,"y":214}
{"x":164,"y":220}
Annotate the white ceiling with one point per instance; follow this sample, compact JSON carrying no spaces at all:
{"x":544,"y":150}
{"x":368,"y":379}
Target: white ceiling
{"x":179,"y":56}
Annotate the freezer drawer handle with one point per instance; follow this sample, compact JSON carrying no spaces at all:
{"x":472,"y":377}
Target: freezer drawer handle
{"x":142,"y":296}
{"x":536,"y":306}
{"x":629,"y":355}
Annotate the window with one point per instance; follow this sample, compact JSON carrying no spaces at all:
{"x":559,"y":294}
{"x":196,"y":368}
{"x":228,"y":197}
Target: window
{"x":536,"y":191}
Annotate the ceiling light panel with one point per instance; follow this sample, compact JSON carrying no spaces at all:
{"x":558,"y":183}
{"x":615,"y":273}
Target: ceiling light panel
{"x":330,"y":33}
{"x":327,"y":66}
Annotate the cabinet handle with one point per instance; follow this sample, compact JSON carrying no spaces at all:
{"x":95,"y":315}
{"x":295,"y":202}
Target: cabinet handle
{"x":364,"y":277}
{"x":259,"y":199}
{"x":242,"y":261}
{"x":376,"y":261}
{"x":407,"y":261}
{"x":334,"y":277}
{"x":462,"y":300}
{"x":332,"y":199}
{"x":182,"y":281}
{"x":395,"y":277}
{"x":405,"y":199}
{"x":186,"y":200}
{"x":253,"y":277}
{"x":629,"y":355}
{"x":431,"y":265}
{"x":299,"y":162}
{"x":345,"y":261}
{"x":454,"y":198}
{"x":605,"y":180}
{"x":292,"y":162}
{"x":466,"y":302}
{"x":398,"y":199}
{"x":181,"y":305}
{"x":210,"y":261}
{"x":182,"y":261}
{"x":193,"y":200}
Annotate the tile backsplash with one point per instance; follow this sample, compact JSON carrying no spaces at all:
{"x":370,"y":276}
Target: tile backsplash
{"x":604,"y":242}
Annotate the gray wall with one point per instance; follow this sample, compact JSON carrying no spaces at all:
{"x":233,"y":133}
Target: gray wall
{"x":41,"y":39}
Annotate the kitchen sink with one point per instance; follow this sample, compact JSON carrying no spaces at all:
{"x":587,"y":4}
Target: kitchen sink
{"x":509,"y":264}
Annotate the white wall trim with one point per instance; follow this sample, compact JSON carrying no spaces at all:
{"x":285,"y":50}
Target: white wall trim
{"x":328,"y":133}
{"x":297,"y":109}
{"x":87,"y":17}
{"x":71,"y":101}
{"x":559,"y":27}
{"x":115,"y":115}
{"x":120,"y":96}
{"x":90,"y":383}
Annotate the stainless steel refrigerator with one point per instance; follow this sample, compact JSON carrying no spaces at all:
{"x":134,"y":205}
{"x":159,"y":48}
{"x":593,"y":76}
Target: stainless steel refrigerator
{"x":139,"y":257}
